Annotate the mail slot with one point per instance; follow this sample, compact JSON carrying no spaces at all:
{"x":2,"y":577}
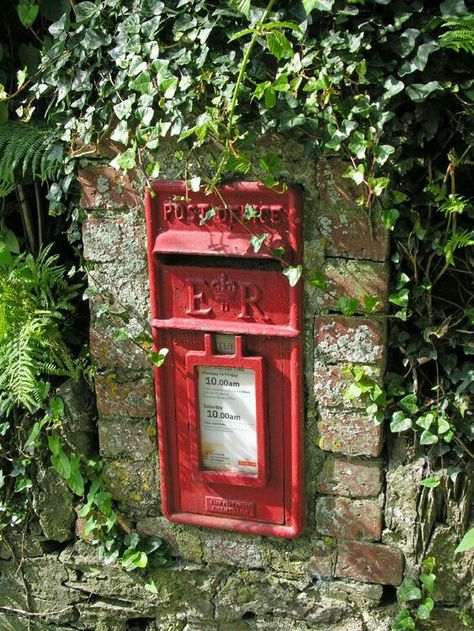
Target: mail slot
{"x":229,"y":395}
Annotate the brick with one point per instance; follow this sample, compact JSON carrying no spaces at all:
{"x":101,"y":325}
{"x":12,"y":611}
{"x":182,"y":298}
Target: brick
{"x":351,"y":477}
{"x":370,"y":563}
{"x":349,"y":519}
{"x":349,"y":339}
{"x":347,"y":227}
{"x":133,"y":399}
{"x":348,"y":433}
{"x":104,"y":187}
{"x":331,"y":382}
{"x":119,"y":239}
{"x":348,"y":278}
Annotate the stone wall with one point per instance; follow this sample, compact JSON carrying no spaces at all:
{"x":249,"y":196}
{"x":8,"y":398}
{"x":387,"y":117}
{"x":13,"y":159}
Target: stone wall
{"x":368,"y":520}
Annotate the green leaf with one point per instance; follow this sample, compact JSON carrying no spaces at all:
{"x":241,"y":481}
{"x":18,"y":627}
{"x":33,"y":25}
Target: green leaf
{"x":427,"y":438}
{"x":409,"y":403}
{"x":320,"y":5}
{"x":209,"y":215}
{"x":400,"y":298}
{"x":431,"y":483}
{"x":400,"y":423}
{"x":443,"y":426}
{"x":426,"y":420}
{"x":352,"y":392}
{"x":270,"y":163}
{"x":293,"y":274}
{"x":11,"y":242}
{"x":22,"y":483}
{"x":408,"y":40}
{"x":250,"y":212}
{"x":467,"y":542}
{"x":133,"y":559}
{"x":279,"y":45}
{"x":243,"y":33}
{"x":355,"y":174}
{"x":409,"y":591}
{"x":85,"y":11}
{"x":125,"y":160}
{"x":423,"y":612}
{"x":371,"y":303}
{"x":142,"y":83}
{"x":428,"y":581}
{"x":419,"y":92}
{"x":54,"y":444}
{"x":195,"y":184}
{"x":258,"y":240}
{"x":27,"y":14}
{"x":6,"y":258}
{"x":389,"y":217}
{"x":453,"y":7}
{"x":243,"y":6}
{"x":150,"y":586}
{"x":158,"y":358}
{"x":348,"y":306}
{"x":62,"y":464}
{"x":124,"y":108}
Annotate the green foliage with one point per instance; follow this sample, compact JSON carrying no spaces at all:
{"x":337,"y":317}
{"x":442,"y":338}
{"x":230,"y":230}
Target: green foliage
{"x":460,"y":33}
{"x":35,"y":297}
{"x":417,"y":598}
{"x":467,"y":542}
{"x":28,"y":152}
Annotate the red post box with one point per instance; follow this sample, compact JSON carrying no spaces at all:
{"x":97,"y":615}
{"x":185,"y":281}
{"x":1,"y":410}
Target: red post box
{"x":229,"y":395}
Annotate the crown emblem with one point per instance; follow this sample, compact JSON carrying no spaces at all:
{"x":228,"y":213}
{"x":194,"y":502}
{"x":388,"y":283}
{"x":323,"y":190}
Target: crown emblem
{"x":224,"y":290}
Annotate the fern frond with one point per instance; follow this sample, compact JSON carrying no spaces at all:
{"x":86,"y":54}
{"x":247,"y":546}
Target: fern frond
{"x":460,"y":35}
{"x":459,"y":240}
{"x":26,"y":153}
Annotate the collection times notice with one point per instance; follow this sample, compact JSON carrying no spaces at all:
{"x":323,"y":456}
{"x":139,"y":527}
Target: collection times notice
{"x":228,"y":419}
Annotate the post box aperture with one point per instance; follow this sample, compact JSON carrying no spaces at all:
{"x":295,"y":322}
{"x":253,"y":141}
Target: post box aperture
{"x":229,"y":395}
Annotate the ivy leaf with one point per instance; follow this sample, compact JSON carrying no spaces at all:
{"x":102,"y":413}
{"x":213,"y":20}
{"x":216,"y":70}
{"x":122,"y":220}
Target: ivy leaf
{"x":428,"y":581}
{"x":423,"y":612}
{"x":431,"y":483}
{"x":467,"y":542}
{"x":27,"y":14}
{"x":407,"y":41}
{"x":371,"y":303}
{"x":409,"y":404}
{"x":293,"y":274}
{"x":120,"y":133}
{"x":409,"y":591}
{"x":195,"y":184}
{"x":400,"y":422}
{"x":348,"y":306}
{"x":125,"y":160}
{"x":150,"y":586}
{"x":85,"y":10}
{"x":270,"y":163}
{"x":427,"y":438}
{"x":158,"y":358}
{"x":258,"y":240}
{"x":420,"y":60}
{"x":453,"y":7}
{"x":279,"y":45}
{"x":320,"y":5}
{"x":124,"y":108}
{"x":243,"y":6}
{"x":356,"y":175}
{"x":209,"y":215}
{"x":250,"y":212}
{"x":419,"y":92}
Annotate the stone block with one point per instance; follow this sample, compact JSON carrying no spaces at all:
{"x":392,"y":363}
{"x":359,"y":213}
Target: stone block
{"x":104,"y":187}
{"x":233,"y":549}
{"x":134,"y":484}
{"x":115,"y":238}
{"x":351,"y":434}
{"x":332,"y":381}
{"x":107,"y":352}
{"x":122,"y":436}
{"x":349,"y":278}
{"x":133,"y":399}
{"x":369,"y":563}
{"x":54,"y":505}
{"x":349,"y":519}
{"x":322,"y":562}
{"x":349,"y":339}
{"x":350,"y":229}
{"x":352,"y":477}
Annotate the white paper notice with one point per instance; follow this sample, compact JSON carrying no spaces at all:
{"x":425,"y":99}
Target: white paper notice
{"x":228,"y":419}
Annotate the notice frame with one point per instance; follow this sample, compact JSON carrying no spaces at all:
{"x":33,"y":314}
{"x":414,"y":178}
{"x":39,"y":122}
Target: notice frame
{"x":196,"y":360}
